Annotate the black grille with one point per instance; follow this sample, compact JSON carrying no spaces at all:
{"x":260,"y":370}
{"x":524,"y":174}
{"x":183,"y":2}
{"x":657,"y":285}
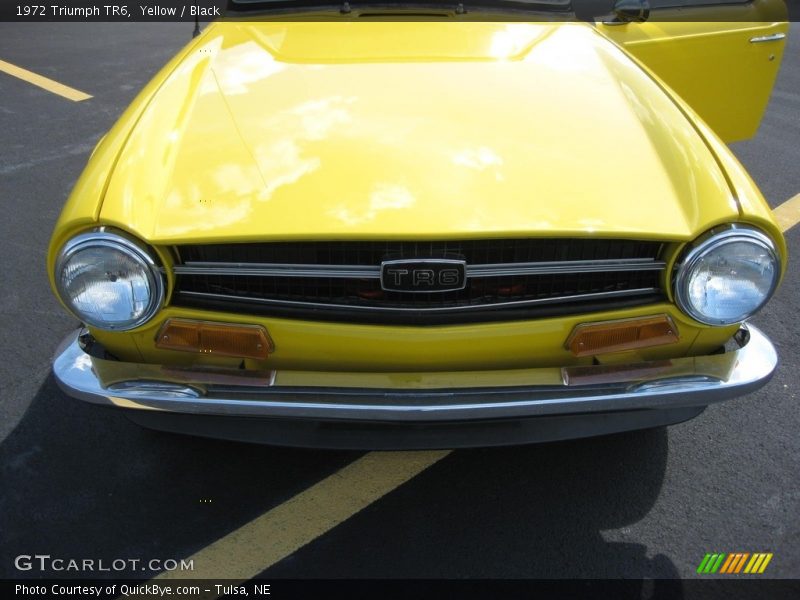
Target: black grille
{"x":475,"y":252}
{"x":363,"y":300}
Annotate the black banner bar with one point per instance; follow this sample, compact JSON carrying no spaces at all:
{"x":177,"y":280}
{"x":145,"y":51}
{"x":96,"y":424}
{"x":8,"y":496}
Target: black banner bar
{"x":140,"y":11}
{"x":407,"y":589}
{"x":143,"y":11}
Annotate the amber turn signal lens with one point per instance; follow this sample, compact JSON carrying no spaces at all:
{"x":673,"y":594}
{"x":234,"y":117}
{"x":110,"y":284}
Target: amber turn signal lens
{"x":222,"y":339}
{"x":588,"y":339}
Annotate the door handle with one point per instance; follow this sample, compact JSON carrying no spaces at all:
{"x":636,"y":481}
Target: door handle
{"x":774,"y":37}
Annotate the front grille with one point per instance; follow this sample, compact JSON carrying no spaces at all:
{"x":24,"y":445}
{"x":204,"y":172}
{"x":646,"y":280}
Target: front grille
{"x":372,"y":253}
{"x":340,"y":281}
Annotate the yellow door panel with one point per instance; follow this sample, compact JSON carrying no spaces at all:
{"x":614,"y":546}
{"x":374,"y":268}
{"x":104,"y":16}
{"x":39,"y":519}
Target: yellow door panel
{"x":723,"y":69}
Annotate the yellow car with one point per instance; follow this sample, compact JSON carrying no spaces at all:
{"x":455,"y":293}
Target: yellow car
{"x":411,"y":226}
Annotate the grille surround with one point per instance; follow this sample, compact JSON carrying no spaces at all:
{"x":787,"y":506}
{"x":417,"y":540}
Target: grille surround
{"x":340,"y":281}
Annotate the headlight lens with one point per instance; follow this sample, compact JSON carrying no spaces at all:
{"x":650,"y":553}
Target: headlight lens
{"x":727,"y":276}
{"x":108,"y":281}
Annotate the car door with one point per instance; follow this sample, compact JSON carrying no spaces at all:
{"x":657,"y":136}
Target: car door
{"x":720,"y":56}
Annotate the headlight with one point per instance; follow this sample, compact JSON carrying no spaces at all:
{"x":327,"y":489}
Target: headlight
{"x":727,"y":275}
{"x":108,"y":281}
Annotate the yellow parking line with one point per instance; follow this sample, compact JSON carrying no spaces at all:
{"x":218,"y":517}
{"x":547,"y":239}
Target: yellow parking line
{"x":788,"y":213}
{"x":249,"y":550}
{"x":43,"y":82}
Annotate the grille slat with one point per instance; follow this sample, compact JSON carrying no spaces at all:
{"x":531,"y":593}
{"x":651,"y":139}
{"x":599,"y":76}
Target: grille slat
{"x":258,"y":277}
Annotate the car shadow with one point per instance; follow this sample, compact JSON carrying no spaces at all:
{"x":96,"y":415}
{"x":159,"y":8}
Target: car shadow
{"x":80,"y":481}
{"x":525,"y":512}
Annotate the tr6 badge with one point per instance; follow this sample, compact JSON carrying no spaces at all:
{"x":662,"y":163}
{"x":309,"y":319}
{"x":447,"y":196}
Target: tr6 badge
{"x":423,"y":275}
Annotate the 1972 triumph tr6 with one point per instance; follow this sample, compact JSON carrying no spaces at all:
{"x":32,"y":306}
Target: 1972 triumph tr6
{"x":411,"y":225}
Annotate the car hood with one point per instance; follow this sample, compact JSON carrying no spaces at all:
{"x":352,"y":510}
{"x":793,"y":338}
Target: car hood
{"x":401,"y":130}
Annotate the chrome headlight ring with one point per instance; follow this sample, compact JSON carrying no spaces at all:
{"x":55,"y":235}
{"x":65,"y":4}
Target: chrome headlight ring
{"x":727,"y":275}
{"x":102,"y":275}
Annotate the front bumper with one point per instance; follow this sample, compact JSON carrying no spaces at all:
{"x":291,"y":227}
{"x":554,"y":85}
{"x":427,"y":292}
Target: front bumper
{"x":682,"y":385}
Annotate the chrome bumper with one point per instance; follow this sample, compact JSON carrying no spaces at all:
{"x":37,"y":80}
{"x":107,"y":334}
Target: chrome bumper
{"x":419,"y":397}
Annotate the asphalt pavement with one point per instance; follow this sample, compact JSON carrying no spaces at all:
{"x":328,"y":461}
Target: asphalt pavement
{"x":80,"y":481}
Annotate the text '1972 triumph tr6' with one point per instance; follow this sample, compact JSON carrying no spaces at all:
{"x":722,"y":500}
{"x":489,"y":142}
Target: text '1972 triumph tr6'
{"x":419,"y":225}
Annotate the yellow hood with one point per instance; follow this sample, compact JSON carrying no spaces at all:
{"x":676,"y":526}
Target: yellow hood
{"x":404,"y":130}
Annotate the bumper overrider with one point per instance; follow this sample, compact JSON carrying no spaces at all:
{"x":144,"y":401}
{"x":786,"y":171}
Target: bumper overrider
{"x":414,"y":410}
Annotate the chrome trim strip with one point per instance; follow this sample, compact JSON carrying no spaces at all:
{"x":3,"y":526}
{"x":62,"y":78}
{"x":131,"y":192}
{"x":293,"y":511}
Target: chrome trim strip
{"x":679,"y":382}
{"x":279,"y":270}
{"x":565,"y":267}
{"x":576,"y":298}
{"x":773,"y":37}
{"x":370,"y":272}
